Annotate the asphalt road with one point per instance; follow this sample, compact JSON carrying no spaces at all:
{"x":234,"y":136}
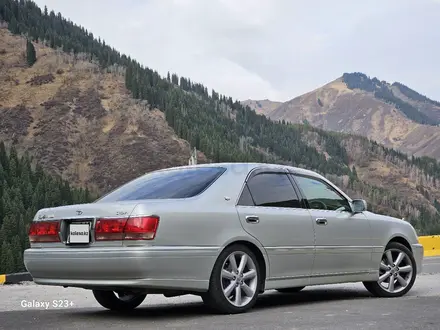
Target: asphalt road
{"x":431,"y":265}
{"x":338,"y":307}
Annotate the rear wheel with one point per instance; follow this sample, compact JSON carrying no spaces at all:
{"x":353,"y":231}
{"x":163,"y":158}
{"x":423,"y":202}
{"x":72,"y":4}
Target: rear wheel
{"x":235,"y":281}
{"x":291,"y":290}
{"x":397,"y":272}
{"x":118,"y":301}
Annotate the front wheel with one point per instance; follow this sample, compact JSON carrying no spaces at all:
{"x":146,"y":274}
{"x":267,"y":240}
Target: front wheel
{"x":120,"y":301}
{"x":397,"y":272}
{"x":235,"y":281}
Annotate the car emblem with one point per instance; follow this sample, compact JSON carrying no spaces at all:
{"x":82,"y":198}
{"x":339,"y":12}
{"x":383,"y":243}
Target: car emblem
{"x":79,"y":212}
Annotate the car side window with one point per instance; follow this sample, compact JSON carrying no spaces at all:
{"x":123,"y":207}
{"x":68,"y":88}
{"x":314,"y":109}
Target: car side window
{"x":272,"y":190}
{"x":320,"y":195}
{"x":246,"y":198}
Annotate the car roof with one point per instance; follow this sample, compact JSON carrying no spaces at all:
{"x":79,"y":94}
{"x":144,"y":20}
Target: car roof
{"x":248,"y":166}
{"x":242,"y":169}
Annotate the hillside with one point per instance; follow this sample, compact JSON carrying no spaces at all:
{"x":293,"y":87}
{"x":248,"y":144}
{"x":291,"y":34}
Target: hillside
{"x":24,"y":189}
{"x":79,"y":121}
{"x":262,"y":107}
{"x":391,"y":114}
{"x":99,"y":118}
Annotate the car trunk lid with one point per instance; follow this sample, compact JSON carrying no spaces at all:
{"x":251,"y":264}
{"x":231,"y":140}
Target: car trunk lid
{"x":77,"y":222}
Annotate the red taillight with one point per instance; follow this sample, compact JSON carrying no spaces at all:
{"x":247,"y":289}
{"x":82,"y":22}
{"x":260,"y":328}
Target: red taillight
{"x":109,"y":229}
{"x":135,"y":228}
{"x":44,"y":232}
{"x":141,"y":228}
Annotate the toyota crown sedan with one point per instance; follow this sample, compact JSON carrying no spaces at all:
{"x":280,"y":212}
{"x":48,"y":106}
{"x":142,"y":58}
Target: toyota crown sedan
{"x":226,"y":232}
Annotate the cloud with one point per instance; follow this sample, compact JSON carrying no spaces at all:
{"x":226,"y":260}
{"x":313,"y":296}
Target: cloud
{"x":273,"y":49}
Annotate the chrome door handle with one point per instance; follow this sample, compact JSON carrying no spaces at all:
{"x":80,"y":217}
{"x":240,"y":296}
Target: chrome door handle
{"x":321,"y":221}
{"x":252,"y":219}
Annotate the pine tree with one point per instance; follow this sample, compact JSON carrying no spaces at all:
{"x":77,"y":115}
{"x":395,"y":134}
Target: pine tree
{"x":24,"y":190}
{"x":31,"y":55}
{"x":354,"y":172}
{"x":13,"y":25}
{"x":7,"y":262}
{"x":437,"y":204}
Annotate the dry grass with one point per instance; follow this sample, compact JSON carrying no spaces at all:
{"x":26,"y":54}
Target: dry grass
{"x":81,"y":123}
{"x":340,"y":86}
{"x":264,"y":107}
{"x":14,"y":73}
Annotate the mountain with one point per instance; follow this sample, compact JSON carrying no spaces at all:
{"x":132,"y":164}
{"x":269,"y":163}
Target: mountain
{"x":79,"y":121}
{"x":391,"y":114}
{"x":99,"y":118}
{"x":262,"y":106}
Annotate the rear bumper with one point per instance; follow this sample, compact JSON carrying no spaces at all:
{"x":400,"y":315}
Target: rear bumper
{"x":418,"y":256}
{"x":175,"y":268}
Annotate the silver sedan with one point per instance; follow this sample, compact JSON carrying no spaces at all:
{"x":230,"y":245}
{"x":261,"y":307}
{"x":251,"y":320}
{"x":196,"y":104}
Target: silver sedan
{"x":226,"y":232}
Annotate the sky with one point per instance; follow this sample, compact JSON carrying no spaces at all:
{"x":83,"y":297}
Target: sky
{"x":271,"y":49}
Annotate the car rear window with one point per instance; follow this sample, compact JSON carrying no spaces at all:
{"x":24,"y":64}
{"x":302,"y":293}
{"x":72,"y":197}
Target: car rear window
{"x":169,"y":184}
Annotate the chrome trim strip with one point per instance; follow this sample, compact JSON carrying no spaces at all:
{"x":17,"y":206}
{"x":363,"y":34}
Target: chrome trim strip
{"x":332,"y":247}
{"x":111,"y":249}
{"x":78,"y":217}
{"x":283,"y":248}
{"x":184,"y":248}
{"x":284,"y":278}
{"x":345,"y":273}
{"x":272,"y":207}
{"x":322,"y":247}
{"x":321,"y":275}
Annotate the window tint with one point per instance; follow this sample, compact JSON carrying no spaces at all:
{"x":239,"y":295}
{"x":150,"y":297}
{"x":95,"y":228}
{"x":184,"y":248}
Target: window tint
{"x":176,"y":183}
{"x":273,"y":189}
{"x":320,"y":195}
{"x":246,"y":198}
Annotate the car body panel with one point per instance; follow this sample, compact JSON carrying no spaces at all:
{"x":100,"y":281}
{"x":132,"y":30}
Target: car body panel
{"x":418,"y":252}
{"x":343,"y":245}
{"x":385,"y":228}
{"x":193,"y":231}
{"x":178,"y":267}
{"x":287,"y":236}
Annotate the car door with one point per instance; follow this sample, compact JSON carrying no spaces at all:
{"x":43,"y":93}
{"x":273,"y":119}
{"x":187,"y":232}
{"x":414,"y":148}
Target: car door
{"x":343,"y":239}
{"x":271,"y":211}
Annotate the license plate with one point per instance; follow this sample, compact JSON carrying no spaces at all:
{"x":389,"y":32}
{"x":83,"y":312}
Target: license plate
{"x":79,"y":233}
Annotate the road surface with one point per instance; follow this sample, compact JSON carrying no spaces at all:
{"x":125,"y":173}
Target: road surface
{"x":338,"y":307}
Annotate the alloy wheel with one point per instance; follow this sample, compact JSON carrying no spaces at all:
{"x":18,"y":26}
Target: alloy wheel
{"x":239,"y":278}
{"x":396,"y":271}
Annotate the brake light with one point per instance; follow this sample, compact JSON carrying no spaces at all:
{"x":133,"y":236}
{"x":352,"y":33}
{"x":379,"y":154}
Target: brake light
{"x":134,"y":228}
{"x":44,"y":232}
{"x":110,"y":229}
{"x":141,"y":228}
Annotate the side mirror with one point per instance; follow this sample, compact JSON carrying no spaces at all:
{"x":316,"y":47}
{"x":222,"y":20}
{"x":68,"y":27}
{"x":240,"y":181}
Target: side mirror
{"x":359,"y":205}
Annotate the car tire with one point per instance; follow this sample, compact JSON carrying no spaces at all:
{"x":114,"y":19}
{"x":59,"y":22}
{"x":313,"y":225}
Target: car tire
{"x":291,"y":290}
{"x":399,"y":267}
{"x":229,"y":292}
{"x":110,"y":300}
